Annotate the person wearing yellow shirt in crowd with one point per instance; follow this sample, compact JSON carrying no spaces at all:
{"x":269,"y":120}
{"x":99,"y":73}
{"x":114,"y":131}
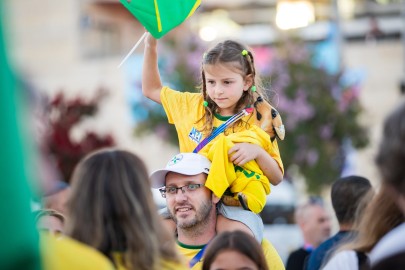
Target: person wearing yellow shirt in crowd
{"x":193,"y":207}
{"x":111,"y":209}
{"x":65,"y":253}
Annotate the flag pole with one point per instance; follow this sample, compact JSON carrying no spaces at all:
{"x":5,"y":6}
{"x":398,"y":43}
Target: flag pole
{"x":133,"y":49}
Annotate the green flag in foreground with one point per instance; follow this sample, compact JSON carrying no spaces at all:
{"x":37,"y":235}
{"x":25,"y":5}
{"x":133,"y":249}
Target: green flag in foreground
{"x":19,"y":241}
{"x":161,"y":16}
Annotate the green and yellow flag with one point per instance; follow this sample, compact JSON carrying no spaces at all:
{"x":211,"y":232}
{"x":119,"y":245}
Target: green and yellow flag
{"x":161,"y":16}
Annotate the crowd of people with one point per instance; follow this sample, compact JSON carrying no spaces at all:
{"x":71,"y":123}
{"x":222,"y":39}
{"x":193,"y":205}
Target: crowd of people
{"x":216,"y":187}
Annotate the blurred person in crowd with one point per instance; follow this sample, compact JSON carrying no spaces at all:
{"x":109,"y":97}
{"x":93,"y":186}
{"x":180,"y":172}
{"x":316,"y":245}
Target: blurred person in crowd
{"x":314,"y":223}
{"x":194,"y":208}
{"x":57,"y":198}
{"x":374,"y":32}
{"x":111,"y":209}
{"x":61,"y":252}
{"x":393,"y":262}
{"x":234,"y":250}
{"x":50,"y":220}
{"x":65,"y":253}
{"x":390,"y":161}
{"x":346,"y":195}
{"x":373,"y":221}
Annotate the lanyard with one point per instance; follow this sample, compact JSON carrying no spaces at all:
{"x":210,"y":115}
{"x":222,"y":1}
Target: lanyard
{"x":222,"y":127}
{"x":197,"y":257}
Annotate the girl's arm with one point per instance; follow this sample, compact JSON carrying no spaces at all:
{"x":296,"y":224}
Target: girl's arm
{"x":151,"y":83}
{"x":242,"y":153}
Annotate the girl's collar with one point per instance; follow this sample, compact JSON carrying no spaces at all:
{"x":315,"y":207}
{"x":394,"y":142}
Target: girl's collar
{"x":225,"y":118}
{"x":189,"y":246}
{"x":222,"y":118}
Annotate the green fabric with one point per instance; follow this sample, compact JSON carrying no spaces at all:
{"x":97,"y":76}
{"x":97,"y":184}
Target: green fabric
{"x":171,"y":13}
{"x":19,"y":240}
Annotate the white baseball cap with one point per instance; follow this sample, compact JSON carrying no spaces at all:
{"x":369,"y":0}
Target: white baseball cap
{"x":184,"y":163}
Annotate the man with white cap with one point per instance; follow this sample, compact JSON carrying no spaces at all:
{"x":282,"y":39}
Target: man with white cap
{"x":194,"y":209}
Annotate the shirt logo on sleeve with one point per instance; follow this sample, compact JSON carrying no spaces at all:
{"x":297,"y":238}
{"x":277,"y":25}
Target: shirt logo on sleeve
{"x":195,"y":135}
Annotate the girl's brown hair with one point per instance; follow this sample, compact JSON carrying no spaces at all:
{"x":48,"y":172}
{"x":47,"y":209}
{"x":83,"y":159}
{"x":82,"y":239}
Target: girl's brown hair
{"x":111,"y":209}
{"x":237,"y":241}
{"x":230,"y":53}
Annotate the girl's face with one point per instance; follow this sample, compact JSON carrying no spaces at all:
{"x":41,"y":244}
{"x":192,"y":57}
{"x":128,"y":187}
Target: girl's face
{"x":225,"y":86}
{"x":232,"y":260}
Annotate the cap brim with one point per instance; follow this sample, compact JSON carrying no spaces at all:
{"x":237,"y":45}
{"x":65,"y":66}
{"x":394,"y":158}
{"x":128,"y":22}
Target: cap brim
{"x":158,"y":178}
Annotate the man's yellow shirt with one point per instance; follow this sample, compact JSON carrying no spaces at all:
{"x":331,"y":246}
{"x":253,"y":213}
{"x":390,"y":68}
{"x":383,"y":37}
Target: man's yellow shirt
{"x":273,"y":259}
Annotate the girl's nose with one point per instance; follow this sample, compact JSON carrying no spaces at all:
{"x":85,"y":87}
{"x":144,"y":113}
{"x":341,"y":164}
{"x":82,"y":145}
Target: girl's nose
{"x":218,"y":90}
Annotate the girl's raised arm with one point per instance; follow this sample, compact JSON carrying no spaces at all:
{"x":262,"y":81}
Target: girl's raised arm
{"x":151,"y":83}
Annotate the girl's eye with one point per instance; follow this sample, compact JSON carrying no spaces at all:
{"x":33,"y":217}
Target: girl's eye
{"x":210,"y":82}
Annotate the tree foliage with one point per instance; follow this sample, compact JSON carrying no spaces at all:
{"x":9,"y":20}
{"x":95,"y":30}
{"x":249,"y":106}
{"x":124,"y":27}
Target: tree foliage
{"x":64,"y":114}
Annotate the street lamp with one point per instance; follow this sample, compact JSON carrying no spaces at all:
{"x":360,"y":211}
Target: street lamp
{"x":294,"y":14}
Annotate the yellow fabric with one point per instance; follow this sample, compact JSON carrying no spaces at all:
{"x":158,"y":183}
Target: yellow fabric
{"x":189,"y":254}
{"x":184,"y":110}
{"x":248,"y":179}
{"x":164,"y":264}
{"x":273,"y":259}
{"x":65,"y":253}
{"x":167,"y":265}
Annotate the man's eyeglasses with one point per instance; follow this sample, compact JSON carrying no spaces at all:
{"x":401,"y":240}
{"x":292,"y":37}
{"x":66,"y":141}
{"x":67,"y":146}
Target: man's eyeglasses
{"x":173,"y":190}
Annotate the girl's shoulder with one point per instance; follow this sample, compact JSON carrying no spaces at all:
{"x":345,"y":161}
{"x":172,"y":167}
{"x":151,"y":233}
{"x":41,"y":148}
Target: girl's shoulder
{"x":169,"y":94}
{"x":171,"y":91}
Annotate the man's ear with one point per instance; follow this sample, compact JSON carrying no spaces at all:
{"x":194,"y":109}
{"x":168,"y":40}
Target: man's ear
{"x":215,"y":199}
{"x":248,"y":82}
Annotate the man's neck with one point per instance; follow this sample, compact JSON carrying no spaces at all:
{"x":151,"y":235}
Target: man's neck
{"x":192,"y":239}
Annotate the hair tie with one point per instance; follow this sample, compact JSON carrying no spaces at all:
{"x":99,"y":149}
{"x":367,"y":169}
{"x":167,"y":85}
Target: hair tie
{"x":244,"y":52}
{"x":205,"y":103}
{"x":253,"y":88}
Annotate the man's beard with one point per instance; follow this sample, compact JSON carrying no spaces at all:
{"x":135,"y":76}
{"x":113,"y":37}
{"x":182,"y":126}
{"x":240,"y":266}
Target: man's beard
{"x":200,"y":217}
